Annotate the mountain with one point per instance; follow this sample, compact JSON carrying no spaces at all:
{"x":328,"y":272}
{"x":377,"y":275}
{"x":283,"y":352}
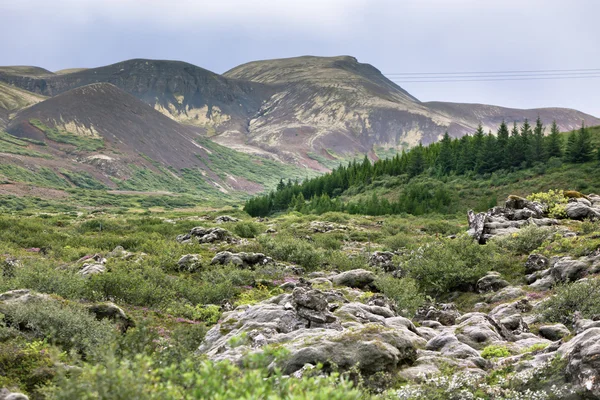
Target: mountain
{"x":13,"y":99}
{"x":336,"y":105}
{"x":308,"y":111}
{"x":118,"y":141}
{"x":182,"y":91}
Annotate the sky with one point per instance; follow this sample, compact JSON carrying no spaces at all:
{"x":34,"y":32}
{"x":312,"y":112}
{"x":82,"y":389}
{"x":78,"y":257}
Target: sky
{"x":395,"y":36}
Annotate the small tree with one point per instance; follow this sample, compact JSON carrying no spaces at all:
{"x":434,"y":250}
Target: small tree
{"x":554,"y":145}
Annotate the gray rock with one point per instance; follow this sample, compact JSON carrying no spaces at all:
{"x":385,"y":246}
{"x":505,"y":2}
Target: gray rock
{"x":225,"y":218}
{"x":20,"y":296}
{"x":290,"y":320}
{"x":567,"y":269}
{"x":242,"y":260}
{"x":579,"y":210}
{"x":383,"y":259}
{"x":491,"y":283}
{"x":449,"y":345}
{"x":583,"y":356}
{"x":189,"y":263}
{"x":206,"y":235}
{"x":445,"y":313}
{"x":554,"y":332}
{"x":112,"y":312}
{"x":582,"y":325}
{"x":92,"y":269}
{"x":6,"y":394}
{"x":356,"y":278}
{"x":478,"y":331}
{"x":506,"y":294}
{"x":536,"y":262}
{"x":477,"y":225}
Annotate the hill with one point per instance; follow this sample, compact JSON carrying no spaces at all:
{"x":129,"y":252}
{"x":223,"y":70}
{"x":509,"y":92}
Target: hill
{"x":99,"y":136}
{"x":13,"y":99}
{"x":311,"y":111}
{"x":182,"y":91}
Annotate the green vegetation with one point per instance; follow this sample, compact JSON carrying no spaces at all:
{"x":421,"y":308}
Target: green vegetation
{"x":82,"y":143}
{"x":424,"y":179}
{"x":226,"y":163}
{"x":493,"y":351}
{"x":570,"y":297}
{"x":13,"y":145}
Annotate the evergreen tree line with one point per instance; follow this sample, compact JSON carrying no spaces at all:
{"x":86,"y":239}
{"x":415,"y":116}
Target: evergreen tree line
{"x":480,"y":153}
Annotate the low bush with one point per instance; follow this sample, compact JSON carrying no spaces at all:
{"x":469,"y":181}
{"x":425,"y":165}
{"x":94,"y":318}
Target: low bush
{"x":287,"y":248}
{"x":405,"y":293}
{"x":526,"y":240}
{"x":493,"y":351}
{"x":452,"y":264}
{"x":571,"y":297}
{"x":70,"y":326}
{"x":247,"y":229}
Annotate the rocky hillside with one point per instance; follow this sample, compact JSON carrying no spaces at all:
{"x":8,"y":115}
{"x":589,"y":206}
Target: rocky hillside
{"x":308,"y":110}
{"x":104,"y":138}
{"x":400,"y":307}
{"x":12,"y":99}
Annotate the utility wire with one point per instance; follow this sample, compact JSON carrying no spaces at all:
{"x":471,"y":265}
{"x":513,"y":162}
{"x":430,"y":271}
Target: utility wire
{"x":493,"y":72}
{"x":483,"y":79}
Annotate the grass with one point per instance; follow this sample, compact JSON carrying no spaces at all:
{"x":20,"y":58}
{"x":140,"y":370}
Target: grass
{"x":81,"y":143}
{"x":13,"y":145}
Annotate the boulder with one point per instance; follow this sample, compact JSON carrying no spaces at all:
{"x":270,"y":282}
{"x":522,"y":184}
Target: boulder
{"x":22,"y":296}
{"x":478,"y":331}
{"x":536,"y":262}
{"x":92,"y":269}
{"x":206,"y":235}
{"x":324,"y":227}
{"x":492,"y":282}
{"x":383,"y":259}
{"x":567,"y":269}
{"x":302,"y":323}
{"x":356,"y":278}
{"x":554,"y":332}
{"x":225,"y":218}
{"x":189,"y":263}
{"x":580,"y":211}
{"x":506,"y":294}
{"x":114,"y":313}
{"x":6,"y":394}
{"x":242,"y":260}
{"x":444,"y":313}
{"x":583,"y":361}
{"x":447,"y":344}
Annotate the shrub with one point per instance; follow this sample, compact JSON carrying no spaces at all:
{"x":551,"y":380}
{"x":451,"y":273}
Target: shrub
{"x":404,"y":292}
{"x":493,"y":351}
{"x":526,"y":239}
{"x":146,"y":379}
{"x":570,"y":297}
{"x":451,"y":264}
{"x":246,"y":229}
{"x":286,"y":248}
{"x":70,"y":326}
{"x":554,"y":201}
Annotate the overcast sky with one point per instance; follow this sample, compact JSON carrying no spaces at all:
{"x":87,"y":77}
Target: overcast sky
{"x":393,"y":35}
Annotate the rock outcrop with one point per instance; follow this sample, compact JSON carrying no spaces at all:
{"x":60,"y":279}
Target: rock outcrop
{"x":498,"y":221}
{"x":317,"y":327}
{"x":206,"y":235}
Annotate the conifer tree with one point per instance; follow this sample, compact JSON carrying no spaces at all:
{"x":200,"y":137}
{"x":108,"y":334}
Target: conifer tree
{"x":554,"y":146}
{"x":503,"y":149}
{"x":445,"y":160}
{"x":537,"y":142}
{"x":579,"y":146}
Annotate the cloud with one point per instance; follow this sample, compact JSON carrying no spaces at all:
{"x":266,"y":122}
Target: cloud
{"x":331,"y":16}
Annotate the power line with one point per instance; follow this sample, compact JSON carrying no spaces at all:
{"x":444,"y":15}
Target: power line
{"x":400,"y":80}
{"x":493,"y":72}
